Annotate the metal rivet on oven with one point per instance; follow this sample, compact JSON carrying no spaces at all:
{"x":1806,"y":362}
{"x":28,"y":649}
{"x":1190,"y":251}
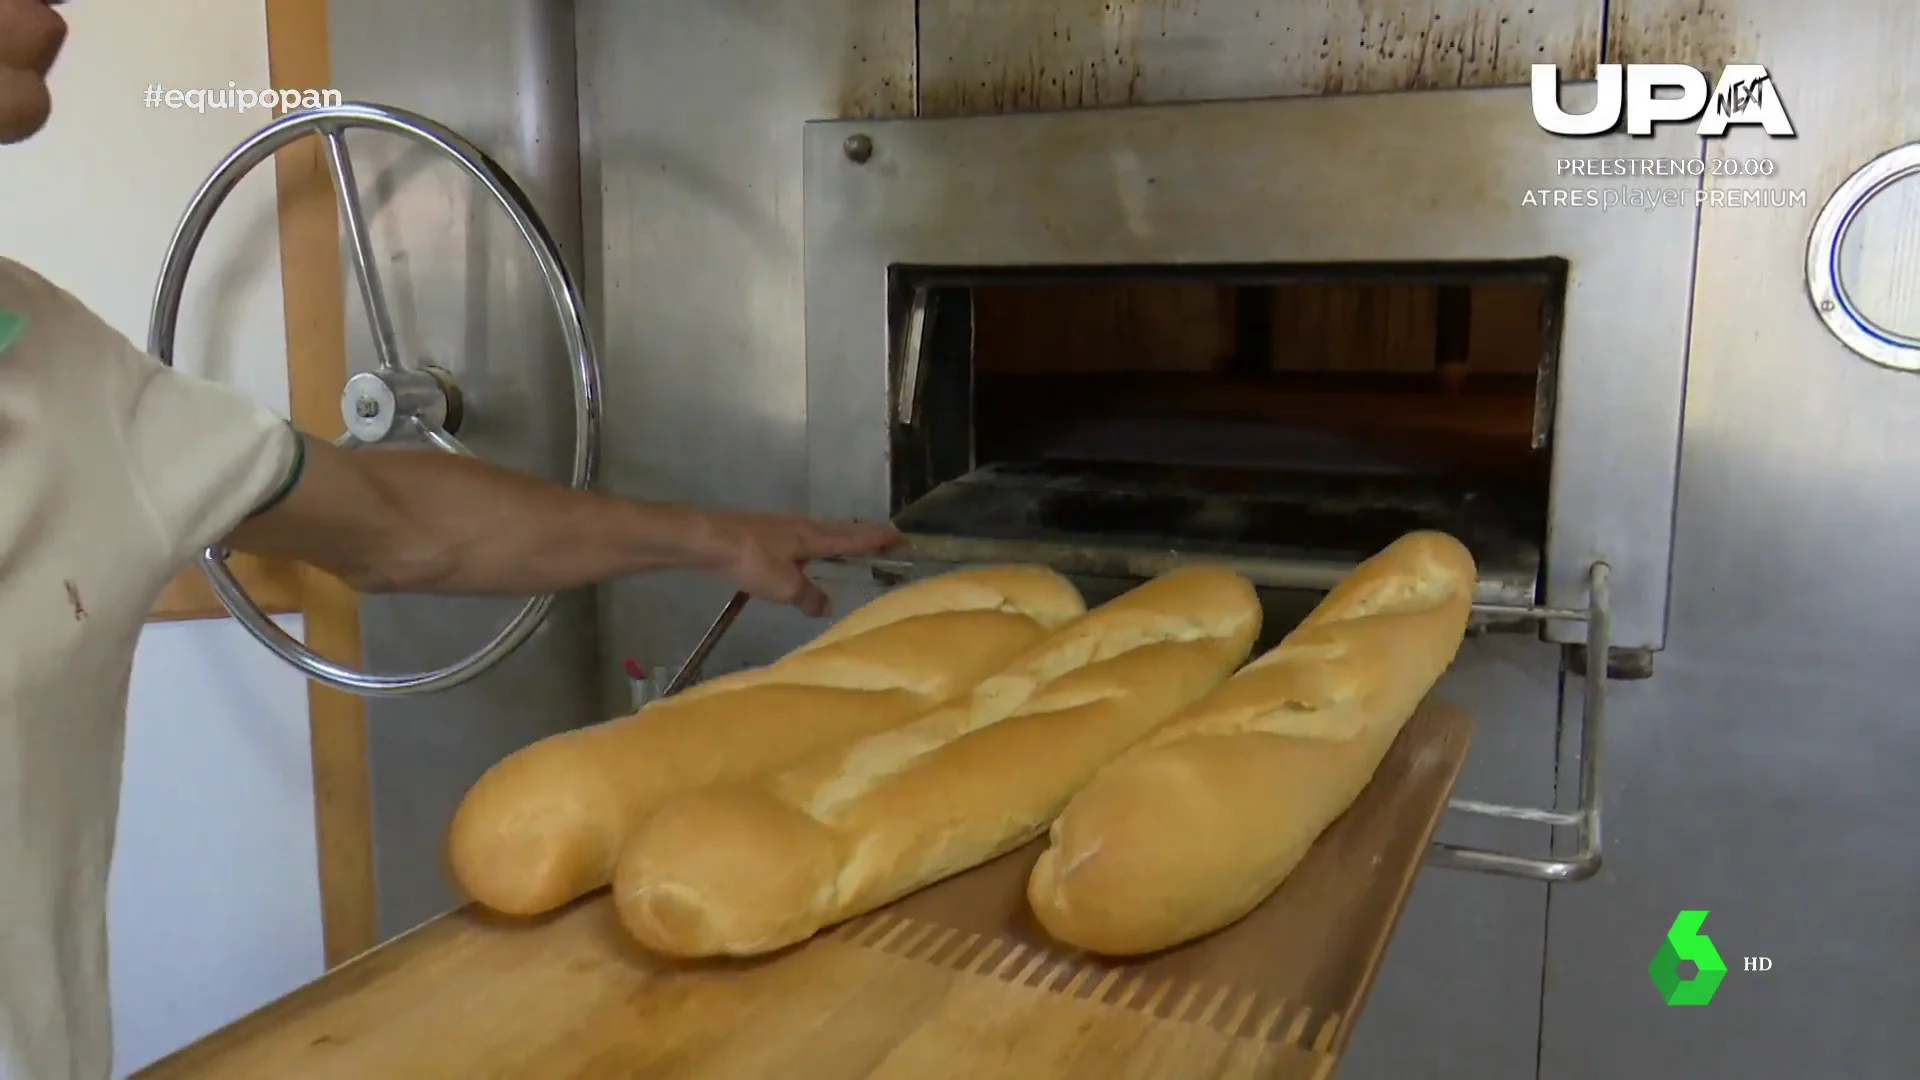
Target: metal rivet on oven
{"x":859,"y":148}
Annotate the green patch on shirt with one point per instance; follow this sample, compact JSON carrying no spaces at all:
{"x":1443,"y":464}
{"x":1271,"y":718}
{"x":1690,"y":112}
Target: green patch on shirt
{"x":11,"y":327}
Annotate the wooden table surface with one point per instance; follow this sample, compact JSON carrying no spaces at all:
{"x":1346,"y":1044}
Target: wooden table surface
{"x":953,"y":982}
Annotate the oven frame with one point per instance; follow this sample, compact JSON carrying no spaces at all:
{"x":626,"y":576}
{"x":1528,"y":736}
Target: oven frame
{"x":1405,"y":177}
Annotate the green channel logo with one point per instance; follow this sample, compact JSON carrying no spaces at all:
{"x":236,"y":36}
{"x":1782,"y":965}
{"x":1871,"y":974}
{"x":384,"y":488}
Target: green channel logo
{"x":1686,"y":942}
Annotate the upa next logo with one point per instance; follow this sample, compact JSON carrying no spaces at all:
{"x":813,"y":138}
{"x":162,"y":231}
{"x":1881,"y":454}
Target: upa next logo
{"x":1744,"y":95}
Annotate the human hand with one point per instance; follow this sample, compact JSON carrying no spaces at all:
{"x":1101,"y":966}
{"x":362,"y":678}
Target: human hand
{"x":766,"y":555}
{"x":30,"y":36}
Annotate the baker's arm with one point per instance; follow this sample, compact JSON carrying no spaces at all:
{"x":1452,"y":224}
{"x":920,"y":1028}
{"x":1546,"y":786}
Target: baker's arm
{"x":428,"y":522}
{"x":204,"y":460}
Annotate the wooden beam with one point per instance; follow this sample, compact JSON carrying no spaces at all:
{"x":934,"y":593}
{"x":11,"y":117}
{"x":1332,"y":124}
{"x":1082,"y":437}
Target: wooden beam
{"x":310,"y":277}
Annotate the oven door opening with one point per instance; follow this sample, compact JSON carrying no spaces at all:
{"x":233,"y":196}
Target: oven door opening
{"x":1288,"y":420}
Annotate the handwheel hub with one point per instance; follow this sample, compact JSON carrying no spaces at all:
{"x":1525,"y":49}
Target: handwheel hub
{"x":377,"y":404}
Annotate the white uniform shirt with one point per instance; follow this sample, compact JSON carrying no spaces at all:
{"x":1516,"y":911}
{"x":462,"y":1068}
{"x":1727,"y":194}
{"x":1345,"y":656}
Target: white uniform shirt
{"x":114,"y":473}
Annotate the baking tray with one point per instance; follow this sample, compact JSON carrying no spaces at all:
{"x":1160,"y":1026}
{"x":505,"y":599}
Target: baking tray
{"x":1293,"y":532}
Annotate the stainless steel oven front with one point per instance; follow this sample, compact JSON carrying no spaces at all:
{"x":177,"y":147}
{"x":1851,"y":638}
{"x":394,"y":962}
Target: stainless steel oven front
{"x":914,"y":229}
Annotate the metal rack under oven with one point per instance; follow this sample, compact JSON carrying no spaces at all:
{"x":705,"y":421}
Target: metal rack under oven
{"x":1584,"y":819}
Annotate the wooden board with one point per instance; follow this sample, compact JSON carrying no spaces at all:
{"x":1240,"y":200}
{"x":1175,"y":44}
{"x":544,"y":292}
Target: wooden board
{"x":903,"y":994}
{"x":310,"y":270}
{"x":313,"y":289}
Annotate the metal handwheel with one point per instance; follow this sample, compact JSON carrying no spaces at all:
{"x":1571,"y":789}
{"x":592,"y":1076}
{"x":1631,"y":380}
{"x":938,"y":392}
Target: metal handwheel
{"x":394,"y":401}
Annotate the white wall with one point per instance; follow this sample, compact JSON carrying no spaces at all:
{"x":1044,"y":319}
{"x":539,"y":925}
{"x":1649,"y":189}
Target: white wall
{"x":215,"y":906}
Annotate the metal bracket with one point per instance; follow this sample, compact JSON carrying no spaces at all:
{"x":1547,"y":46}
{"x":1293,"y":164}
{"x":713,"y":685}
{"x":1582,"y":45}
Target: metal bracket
{"x":1585,"y":818}
{"x":913,"y":357}
{"x":1623,"y":665}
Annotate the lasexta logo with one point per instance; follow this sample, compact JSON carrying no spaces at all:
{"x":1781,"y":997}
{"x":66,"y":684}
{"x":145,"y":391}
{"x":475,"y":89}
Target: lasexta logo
{"x":1686,"y":942}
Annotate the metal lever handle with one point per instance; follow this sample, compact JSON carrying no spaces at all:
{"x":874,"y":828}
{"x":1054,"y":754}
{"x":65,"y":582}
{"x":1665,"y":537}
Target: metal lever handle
{"x":697,"y":659}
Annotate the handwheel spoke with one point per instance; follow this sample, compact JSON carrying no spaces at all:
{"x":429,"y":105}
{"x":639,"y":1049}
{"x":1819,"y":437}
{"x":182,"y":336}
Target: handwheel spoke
{"x":438,"y":436}
{"x":373,"y":296}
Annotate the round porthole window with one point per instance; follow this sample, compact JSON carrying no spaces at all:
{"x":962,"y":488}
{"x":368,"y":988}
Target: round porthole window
{"x":1863,"y":260}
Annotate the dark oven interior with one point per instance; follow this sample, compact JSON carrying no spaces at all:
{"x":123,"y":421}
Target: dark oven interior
{"x":1271,"y":415}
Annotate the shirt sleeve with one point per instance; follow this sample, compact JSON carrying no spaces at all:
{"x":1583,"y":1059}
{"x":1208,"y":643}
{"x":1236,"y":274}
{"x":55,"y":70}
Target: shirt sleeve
{"x":207,"y":456}
{"x":202,"y":456}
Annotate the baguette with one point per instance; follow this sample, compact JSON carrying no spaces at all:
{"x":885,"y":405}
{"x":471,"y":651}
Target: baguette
{"x":545,"y":825}
{"x":1191,"y":829}
{"x":755,"y":867}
